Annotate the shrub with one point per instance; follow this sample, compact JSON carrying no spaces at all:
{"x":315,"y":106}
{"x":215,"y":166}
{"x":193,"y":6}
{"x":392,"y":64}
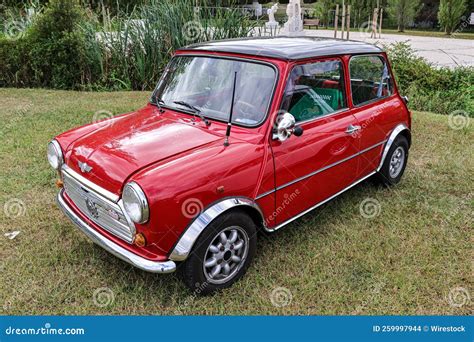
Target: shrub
{"x":440,"y":90}
{"x":57,"y":46}
{"x":14,"y":63}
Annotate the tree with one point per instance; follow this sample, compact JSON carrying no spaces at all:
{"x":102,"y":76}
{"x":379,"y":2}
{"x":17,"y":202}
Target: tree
{"x":322,"y":11}
{"x":404,"y":11}
{"x":449,"y":14}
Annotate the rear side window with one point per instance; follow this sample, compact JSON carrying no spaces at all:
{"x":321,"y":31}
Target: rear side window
{"x":314,"y":90}
{"x":370,"y":79}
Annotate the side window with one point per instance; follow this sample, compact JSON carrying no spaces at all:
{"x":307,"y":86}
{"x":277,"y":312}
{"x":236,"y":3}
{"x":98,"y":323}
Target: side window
{"x":370,"y":79}
{"x":314,"y":90}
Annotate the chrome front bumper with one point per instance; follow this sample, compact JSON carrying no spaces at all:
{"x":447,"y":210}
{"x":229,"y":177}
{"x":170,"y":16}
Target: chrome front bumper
{"x":112,"y":247}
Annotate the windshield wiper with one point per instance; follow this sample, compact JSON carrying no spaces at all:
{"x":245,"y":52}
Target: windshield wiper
{"x":158,"y":102}
{"x":195,"y":109}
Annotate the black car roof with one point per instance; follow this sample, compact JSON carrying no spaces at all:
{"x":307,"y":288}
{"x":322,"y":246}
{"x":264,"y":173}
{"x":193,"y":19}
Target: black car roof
{"x":286,"y":48}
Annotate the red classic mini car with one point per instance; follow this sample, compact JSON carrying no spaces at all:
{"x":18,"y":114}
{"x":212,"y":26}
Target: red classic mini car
{"x":239,"y":136}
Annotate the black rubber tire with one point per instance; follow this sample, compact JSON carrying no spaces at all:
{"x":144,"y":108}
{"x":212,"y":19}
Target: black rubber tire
{"x":192,"y":269}
{"x":384,"y":175}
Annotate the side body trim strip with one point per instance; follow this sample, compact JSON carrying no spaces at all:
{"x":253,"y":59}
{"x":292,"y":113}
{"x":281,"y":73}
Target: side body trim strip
{"x":319,"y":204}
{"x":320,"y":170}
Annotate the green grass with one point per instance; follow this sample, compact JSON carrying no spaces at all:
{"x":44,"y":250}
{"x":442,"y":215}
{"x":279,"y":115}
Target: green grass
{"x":333,"y":260}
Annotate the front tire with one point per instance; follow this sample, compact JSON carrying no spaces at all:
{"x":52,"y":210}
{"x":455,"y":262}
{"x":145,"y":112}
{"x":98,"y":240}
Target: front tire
{"x":395,"y":162}
{"x":222,"y":253}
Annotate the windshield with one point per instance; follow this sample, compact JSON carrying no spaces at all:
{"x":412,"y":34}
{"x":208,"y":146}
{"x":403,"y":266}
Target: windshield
{"x":206,"y":83}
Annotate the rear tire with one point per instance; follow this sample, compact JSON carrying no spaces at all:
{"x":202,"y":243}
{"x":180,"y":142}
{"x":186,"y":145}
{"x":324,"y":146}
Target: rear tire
{"x":395,"y":162}
{"x":222,"y":253}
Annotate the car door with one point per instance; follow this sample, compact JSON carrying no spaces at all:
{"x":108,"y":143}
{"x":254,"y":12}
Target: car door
{"x":374,"y":105}
{"x":321,"y":162}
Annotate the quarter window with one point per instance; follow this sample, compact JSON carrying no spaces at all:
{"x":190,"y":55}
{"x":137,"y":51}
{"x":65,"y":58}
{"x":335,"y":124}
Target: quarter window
{"x":370,"y":79}
{"x":314,"y":90}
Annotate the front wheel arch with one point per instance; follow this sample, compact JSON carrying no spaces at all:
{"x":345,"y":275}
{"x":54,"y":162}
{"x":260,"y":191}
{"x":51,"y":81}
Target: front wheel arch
{"x":192,"y":233}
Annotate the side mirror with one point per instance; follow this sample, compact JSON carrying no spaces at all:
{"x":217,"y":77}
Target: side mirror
{"x":286,"y":126}
{"x":405,"y":99}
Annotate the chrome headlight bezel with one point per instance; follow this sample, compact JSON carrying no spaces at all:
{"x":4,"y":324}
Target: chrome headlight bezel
{"x":135,"y":203}
{"x":55,"y":155}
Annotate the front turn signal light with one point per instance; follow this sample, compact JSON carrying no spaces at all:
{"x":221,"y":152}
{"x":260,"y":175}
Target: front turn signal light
{"x":139,"y":240}
{"x":59,"y":183}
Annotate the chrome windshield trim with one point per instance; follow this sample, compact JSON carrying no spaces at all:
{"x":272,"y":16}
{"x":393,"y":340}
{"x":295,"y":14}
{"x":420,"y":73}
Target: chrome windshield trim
{"x":113,"y":248}
{"x":320,"y":170}
{"x":191,"y":234}
{"x":317,"y":205}
{"x":87,"y":183}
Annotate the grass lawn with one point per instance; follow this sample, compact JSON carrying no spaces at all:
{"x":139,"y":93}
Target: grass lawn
{"x":406,"y":260}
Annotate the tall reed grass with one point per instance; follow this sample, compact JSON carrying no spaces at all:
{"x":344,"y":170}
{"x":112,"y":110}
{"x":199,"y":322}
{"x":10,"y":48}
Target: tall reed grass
{"x":135,"y":52}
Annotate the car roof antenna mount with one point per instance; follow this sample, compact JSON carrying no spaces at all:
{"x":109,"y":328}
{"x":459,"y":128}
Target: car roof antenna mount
{"x":229,"y":123}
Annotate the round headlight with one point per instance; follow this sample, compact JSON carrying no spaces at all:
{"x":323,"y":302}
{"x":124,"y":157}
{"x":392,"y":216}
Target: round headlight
{"x":55,"y":155}
{"x":135,"y":203}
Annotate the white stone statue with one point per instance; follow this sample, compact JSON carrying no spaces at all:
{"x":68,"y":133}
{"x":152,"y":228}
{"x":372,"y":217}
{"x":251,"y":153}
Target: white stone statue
{"x":294,"y":25}
{"x":272,"y":23}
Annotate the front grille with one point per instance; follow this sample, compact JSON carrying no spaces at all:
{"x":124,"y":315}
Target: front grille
{"x":103,"y":212}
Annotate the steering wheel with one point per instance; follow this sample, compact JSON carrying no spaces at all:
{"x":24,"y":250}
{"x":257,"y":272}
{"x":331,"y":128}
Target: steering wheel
{"x":246,"y":110}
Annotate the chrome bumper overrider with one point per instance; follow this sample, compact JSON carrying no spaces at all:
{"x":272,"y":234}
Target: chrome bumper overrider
{"x":112,"y":247}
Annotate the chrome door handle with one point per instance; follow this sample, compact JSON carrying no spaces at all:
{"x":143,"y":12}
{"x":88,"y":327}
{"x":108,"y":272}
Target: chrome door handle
{"x":351,"y":129}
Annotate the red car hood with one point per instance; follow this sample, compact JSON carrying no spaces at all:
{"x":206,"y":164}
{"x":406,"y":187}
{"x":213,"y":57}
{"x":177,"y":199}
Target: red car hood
{"x":121,"y":146}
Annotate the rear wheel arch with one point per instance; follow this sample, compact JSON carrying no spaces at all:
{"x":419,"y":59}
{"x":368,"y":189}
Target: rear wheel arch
{"x":401,"y":129}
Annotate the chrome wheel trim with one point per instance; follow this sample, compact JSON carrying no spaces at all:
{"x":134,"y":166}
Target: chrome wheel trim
{"x":225,"y":255}
{"x":397,"y":161}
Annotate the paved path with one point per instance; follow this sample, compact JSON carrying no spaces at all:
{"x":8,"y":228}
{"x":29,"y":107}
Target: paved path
{"x":450,"y":52}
